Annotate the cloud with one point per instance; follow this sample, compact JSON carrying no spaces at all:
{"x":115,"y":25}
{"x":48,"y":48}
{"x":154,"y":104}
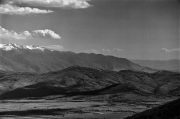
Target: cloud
{"x":12,"y":9}
{"x":75,"y":4}
{"x":55,"y":47}
{"x":5,"y":34}
{"x":114,"y":51}
{"x":118,"y":50}
{"x":36,"y":34}
{"x":47,"y":33}
{"x":171,"y":50}
{"x":94,"y":51}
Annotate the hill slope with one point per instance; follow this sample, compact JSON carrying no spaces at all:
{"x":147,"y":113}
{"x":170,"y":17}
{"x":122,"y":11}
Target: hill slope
{"x":38,"y":59}
{"x":170,"y":110}
{"x":81,"y":80}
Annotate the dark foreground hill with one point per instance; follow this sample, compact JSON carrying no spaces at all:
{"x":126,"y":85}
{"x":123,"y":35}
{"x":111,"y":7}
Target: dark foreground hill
{"x":170,"y":110}
{"x":87,"y":81}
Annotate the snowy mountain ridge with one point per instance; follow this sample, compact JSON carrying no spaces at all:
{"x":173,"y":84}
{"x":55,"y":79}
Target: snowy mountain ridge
{"x":12,"y":46}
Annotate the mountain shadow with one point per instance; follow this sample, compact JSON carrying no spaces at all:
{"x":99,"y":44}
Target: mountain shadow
{"x":169,"y":110}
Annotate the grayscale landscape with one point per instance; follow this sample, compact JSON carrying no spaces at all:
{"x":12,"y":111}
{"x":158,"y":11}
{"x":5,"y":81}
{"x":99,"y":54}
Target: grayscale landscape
{"x":89,"y":59}
{"x":80,"y":91}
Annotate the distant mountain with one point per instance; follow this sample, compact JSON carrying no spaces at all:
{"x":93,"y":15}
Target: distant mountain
{"x":171,"y":65}
{"x":87,"y":81}
{"x":171,"y":110}
{"x":40,"y":59}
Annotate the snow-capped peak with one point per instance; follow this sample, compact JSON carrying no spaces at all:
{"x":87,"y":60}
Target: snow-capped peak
{"x":11,"y":46}
{"x":32,"y":47}
{"x":8,"y":47}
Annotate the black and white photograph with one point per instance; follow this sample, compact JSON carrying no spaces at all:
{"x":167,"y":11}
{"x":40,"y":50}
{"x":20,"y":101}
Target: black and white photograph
{"x":89,"y":59}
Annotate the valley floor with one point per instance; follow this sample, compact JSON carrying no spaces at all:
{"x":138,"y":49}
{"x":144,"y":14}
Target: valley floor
{"x":73,"y":108}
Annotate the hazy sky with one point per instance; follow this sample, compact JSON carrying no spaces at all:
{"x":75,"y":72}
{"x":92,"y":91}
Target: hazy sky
{"x":134,"y":29}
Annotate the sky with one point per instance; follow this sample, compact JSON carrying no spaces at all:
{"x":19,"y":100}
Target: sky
{"x":133,"y":29}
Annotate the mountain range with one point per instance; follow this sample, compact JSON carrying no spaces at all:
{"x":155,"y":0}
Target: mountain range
{"x":34,"y":71}
{"x":20,"y":58}
{"x":87,"y":81}
{"x":171,"y":65}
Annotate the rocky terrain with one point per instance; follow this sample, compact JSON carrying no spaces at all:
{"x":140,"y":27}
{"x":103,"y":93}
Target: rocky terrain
{"x":87,"y":81}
